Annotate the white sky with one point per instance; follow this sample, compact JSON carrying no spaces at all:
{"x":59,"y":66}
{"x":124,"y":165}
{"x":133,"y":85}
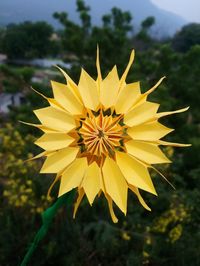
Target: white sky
{"x":188,"y":9}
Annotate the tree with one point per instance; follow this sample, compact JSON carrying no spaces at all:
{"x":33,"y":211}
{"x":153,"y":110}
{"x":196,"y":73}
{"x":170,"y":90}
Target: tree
{"x":112,"y":38}
{"x":2,"y":32}
{"x":143,"y":38}
{"x":74,"y":36}
{"x":84,"y":16}
{"x":148,"y":23}
{"x":27,"y":40}
{"x":188,"y":36}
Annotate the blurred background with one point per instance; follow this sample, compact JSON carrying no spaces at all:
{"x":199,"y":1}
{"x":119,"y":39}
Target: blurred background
{"x":35,"y":36}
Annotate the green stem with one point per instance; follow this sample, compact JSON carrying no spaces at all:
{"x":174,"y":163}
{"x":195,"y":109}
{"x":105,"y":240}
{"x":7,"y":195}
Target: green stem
{"x":47,"y":218}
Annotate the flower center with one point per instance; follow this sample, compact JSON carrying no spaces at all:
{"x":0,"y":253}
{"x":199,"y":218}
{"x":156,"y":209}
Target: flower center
{"x":101,"y":134}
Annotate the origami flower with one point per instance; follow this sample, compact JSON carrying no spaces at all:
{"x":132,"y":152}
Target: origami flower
{"x":101,"y":136}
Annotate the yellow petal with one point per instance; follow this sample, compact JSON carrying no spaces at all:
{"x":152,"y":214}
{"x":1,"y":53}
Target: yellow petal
{"x":71,"y":83}
{"x":51,"y":101}
{"x":159,"y":115}
{"x":115,"y":183}
{"x":131,"y":59}
{"x":127,"y":97}
{"x":99,"y":77}
{"x":141,"y":114}
{"x":73,"y":176}
{"x":155,"y":86}
{"x":66,"y":98}
{"x":109,"y":88}
{"x":54,"y":141}
{"x":91,"y":182}
{"x":58,"y":176}
{"x":141,"y":200}
{"x":41,"y":127}
{"x":88,"y":90}
{"x":110,"y":205}
{"x":81,"y":194}
{"x":146,"y":152}
{"x":167,"y":143}
{"x":53,"y":118}
{"x":42,"y":154}
{"x":135,"y":173}
{"x":152,"y":89}
{"x":59,"y":160}
{"x":149,"y":131}
{"x":157,"y":171}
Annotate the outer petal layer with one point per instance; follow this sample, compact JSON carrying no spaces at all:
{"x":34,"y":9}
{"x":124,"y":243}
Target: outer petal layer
{"x":136,"y":174}
{"x":92,"y":181}
{"x":56,"y":119}
{"x":148,"y":131}
{"x":54,"y":141}
{"x":59,"y":160}
{"x":127,"y":97}
{"x":141,"y":200}
{"x":141,"y":114}
{"x":66,"y":98}
{"x":88,"y":90}
{"x":115,"y":183}
{"x":109,"y":88}
{"x":73,"y":175}
{"x":146,"y":152}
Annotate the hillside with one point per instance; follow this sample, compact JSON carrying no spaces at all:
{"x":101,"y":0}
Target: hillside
{"x":20,"y":10}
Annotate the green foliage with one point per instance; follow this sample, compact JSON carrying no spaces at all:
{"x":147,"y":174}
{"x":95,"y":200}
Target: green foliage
{"x":13,"y":79}
{"x":2,"y":32}
{"x":27,"y":40}
{"x":81,"y":39}
{"x":187,"y":37}
{"x":84,"y":16}
{"x":26,"y":73}
{"x":143,"y":39}
{"x":148,"y":22}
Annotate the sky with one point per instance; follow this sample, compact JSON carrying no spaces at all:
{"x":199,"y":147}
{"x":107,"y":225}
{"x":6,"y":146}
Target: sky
{"x":188,"y":9}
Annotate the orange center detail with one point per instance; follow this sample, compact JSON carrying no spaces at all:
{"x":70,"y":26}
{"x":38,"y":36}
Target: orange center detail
{"x":101,"y":134}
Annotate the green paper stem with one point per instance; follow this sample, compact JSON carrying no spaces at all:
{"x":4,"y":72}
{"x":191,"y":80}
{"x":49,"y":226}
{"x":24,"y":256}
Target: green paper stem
{"x":47,"y":218}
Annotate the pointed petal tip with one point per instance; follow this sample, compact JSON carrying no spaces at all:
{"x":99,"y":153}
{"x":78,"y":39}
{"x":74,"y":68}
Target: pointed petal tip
{"x":58,"y":67}
{"x":161,"y":174}
{"x":61,"y":193}
{"x":22,"y":122}
{"x":31,"y":124}
{"x":81,"y":194}
{"x":110,"y":205}
{"x":131,"y":59}
{"x":154,"y":87}
{"x":173,"y":144}
{"x":132,"y":53}
{"x":183,"y":109}
{"x":154,"y":192}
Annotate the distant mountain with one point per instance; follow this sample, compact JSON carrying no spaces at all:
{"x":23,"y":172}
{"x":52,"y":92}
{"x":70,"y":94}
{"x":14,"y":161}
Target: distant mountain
{"x":16,"y":11}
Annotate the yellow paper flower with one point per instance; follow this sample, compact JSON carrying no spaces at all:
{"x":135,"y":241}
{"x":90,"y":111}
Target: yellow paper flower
{"x":101,"y":136}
